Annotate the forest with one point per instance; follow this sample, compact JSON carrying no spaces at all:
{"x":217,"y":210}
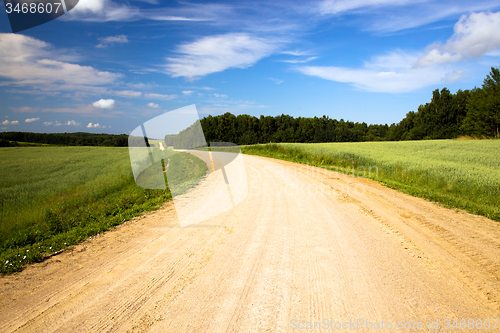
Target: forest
{"x":64,"y":139}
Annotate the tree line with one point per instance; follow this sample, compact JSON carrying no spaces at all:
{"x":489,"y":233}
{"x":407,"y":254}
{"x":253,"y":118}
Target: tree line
{"x":68,"y":139}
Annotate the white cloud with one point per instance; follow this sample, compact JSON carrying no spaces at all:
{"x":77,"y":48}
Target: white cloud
{"x":173,"y":18}
{"x":220,"y":95}
{"x":187,"y":92}
{"x":392,"y":61}
{"x":6,"y":122}
{"x":392,"y":73}
{"x":96,"y":125}
{"x":102,"y":10}
{"x":58,"y":123}
{"x":72,"y":123}
{"x":31,"y":120}
{"x":297,"y":53}
{"x":95,"y":6}
{"x":474,"y":36}
{"x":435,"y":57}
{"x":29,"y":61}
{"x":160,"y":96}
{"x":105,"y":41}
{"x":114,"y":39}
{"x":218,"y":53}
{"x":152,"y":105}
{"x":104,"y":104}
{"x":128,"y":93}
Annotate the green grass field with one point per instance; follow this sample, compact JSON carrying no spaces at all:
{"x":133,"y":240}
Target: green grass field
{"x":463,"y":174}
{"x":53,"y":197}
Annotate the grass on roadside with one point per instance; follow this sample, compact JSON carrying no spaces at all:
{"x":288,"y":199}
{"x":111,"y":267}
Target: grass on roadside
{"x":54,"y":197}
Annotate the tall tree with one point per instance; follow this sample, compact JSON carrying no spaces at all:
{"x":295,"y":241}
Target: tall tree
{"x":483,"y":116}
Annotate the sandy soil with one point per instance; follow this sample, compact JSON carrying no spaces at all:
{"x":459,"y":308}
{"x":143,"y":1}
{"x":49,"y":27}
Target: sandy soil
{"x":306,"y":245}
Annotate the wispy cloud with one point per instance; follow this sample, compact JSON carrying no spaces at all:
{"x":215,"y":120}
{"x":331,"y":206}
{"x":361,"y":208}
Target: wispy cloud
{"x":218,"y":53}
{"x":388,"y":16}
{"x":297,"y":53}
{"x":160,"y":96}
{"x":129,"y":93}
{"x":85,"y":110}
{"x":453,"y":76}
{"x":341,"y":6}
{"x":391,"y":73}
{"x":23,"y":109}
{"x":300,"y":61}
{"x":277,"y":81}
{"x":175,"y":18}
{"x":31,"y":120}
{"x":105,"y":41}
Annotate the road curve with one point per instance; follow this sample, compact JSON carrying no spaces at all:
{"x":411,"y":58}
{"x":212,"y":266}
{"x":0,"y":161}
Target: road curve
{"x":306,"y":246}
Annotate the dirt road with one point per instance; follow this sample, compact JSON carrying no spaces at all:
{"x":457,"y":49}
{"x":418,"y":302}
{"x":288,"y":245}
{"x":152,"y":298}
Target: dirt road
{"x":306,"y":245}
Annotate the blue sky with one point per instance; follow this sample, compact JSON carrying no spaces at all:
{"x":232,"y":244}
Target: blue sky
{"x":108,"y":66}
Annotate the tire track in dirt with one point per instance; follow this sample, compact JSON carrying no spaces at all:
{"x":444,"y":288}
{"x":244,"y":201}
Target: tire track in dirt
{"x":478,"y":265}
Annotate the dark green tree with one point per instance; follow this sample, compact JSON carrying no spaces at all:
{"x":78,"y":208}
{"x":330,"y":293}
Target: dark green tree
{"x":483,"y":108}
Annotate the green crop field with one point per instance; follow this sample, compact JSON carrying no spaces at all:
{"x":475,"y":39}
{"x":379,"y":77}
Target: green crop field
{"x":463,"y":174}
{"x":53,"y":197}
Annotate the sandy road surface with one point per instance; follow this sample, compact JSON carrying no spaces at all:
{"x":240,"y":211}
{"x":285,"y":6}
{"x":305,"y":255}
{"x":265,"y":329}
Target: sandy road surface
{"x":343,"y":249}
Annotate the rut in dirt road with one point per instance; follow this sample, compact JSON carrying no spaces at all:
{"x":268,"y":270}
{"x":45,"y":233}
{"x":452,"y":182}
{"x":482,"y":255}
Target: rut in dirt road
{"x":306,"y":245}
